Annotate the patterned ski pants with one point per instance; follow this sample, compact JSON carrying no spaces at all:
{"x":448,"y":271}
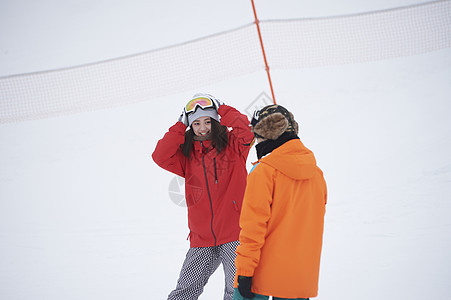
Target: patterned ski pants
{"x":199,"y":265}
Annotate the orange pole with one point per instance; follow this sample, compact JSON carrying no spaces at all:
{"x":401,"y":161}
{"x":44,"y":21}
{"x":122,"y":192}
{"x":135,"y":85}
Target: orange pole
{"x":263,"y":51}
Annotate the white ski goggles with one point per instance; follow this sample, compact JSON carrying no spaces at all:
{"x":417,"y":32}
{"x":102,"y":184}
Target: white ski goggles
{"x":201,"y":102}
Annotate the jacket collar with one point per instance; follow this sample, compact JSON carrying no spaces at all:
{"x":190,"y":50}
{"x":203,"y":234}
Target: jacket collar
{"x":266,"y":147}
{"x":202,"y":146}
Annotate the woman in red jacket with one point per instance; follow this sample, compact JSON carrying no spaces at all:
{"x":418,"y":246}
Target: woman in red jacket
{"x":212,"y":159}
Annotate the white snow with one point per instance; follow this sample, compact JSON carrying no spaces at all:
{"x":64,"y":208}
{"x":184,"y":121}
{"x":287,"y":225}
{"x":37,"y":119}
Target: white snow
{"x":85,"y":213}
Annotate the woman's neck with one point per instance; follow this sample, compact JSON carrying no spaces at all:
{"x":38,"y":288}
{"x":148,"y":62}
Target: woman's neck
{"x":202,"y":138}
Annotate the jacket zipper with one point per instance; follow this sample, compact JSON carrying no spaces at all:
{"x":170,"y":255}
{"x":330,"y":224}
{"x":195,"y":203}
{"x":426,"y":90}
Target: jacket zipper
{"x":214,"y":167}
{"x":209,"y":197}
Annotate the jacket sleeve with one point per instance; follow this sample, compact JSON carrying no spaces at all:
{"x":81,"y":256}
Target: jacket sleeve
{"x":167,"y":153}
{"x":241,"y":132}
{"x":255,"y":213}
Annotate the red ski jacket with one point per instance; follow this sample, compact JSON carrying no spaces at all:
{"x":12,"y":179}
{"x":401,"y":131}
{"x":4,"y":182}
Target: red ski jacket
{"x":214,"y":183}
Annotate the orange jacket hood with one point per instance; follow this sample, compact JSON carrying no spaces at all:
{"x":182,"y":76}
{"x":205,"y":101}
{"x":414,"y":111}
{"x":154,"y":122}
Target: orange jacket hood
{"x":293,"y":160}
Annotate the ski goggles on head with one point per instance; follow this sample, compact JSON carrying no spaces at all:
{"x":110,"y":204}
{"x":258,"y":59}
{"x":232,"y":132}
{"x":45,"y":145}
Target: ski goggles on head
{"x":201,"y":102}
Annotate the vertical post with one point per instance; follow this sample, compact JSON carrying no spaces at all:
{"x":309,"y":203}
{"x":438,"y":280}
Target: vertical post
{"x":263,"y":51}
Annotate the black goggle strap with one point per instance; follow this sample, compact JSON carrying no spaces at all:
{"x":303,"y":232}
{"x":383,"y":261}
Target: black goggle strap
{"x":255,"y":118}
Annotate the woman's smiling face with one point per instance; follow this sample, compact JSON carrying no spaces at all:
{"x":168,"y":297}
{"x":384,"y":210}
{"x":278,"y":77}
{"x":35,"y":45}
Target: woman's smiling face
{"x":202,"y":126}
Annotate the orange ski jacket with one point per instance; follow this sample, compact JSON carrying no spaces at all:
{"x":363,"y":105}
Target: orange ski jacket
{"x":282,"y":223}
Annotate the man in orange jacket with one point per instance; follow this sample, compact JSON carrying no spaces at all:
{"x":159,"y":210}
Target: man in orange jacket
{"x":282,"y":216}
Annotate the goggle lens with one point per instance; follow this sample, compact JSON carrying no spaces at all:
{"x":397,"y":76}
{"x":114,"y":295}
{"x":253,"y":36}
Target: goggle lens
{"x":194,"y":103}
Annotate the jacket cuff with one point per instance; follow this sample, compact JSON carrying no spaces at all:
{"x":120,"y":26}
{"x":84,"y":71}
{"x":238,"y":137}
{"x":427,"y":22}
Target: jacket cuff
{"x":244,"y":272}
{"x":179,"y":127}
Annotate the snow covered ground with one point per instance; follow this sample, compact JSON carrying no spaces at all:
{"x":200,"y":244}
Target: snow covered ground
{"x":85,"y":214}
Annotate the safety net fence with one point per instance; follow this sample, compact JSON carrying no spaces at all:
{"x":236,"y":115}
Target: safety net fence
{"x":289,"y":44}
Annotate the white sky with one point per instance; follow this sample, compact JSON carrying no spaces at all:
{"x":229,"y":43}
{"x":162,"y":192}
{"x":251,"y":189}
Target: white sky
{"x":50,"y":34}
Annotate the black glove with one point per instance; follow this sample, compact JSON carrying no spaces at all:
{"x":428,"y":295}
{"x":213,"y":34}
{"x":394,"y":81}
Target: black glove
{"x":244,"y":287}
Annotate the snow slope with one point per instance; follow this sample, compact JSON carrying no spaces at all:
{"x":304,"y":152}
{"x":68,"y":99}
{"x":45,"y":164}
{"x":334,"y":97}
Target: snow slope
{"x":86,"y":214}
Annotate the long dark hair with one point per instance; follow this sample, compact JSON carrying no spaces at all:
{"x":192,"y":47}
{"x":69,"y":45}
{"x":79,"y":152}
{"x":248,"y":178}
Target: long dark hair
{"x":219,"y":138}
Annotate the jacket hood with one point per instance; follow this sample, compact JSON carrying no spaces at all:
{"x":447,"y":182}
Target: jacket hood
{"x":292,"y":159}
